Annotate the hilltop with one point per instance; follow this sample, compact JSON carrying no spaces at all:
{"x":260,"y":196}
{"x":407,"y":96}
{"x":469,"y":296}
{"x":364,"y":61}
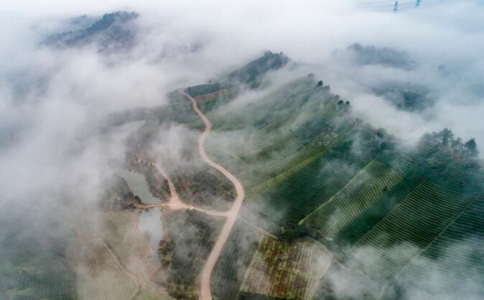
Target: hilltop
{"x":112,"y":31}
{"x":334,"y":208}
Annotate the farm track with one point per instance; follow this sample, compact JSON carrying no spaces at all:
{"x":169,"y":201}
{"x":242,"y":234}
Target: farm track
{"x":231,"y":214}
{"x":175,"y":203}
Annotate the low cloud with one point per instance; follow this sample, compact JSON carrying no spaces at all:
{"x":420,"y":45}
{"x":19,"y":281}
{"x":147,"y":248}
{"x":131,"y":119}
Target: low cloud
{"x":55,"y":155}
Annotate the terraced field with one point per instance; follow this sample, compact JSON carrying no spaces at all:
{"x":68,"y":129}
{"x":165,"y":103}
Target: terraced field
{"x":294,"y":198}
{"x":27,"y":273}
{"x":270,"y":151}
{"x":123,"y":237}
{"x":269,"y":118}
{"x":113,"y":263}
{"x":100,"y":273}
{"x":274,"y":175}
{"x":265,"y":108}
{"x":368,"y":186}
{"x":456,"y":252}
{"x":45,"y":281}
{"x":226,"y":146}
{"x":412,"y":225}
{"x":287,"y":270}
{"x":412,"y":172}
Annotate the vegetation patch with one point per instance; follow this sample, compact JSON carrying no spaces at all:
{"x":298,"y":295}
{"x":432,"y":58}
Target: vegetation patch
{"x":100,"y":275}
{"x":190,"y":238}
{"x":286,"y":270}
{"x":411,"y":226}
{"x":368,"y":186}
{"x":230,"y":270}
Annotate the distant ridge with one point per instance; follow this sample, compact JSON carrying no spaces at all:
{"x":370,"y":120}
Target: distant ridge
{"x":109,"y":33}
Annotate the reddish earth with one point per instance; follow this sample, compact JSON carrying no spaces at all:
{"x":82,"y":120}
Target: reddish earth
{"x":210,"y":95}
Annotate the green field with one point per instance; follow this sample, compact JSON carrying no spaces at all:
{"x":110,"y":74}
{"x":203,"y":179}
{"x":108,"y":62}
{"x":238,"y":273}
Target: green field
{"x":100,"y":273}
{"x":28,"y":273}
{"x":412,"y":225}
{"x":286,"y":270}
{"x":367,"y":187}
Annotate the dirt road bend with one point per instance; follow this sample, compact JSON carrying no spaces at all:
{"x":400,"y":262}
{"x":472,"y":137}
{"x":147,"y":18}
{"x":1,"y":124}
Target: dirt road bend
{"x":174,"y":203}
{"x":205,"y":292}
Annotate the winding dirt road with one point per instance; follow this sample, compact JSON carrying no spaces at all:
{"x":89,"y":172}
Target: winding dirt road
{"x":176,"y":203}
{"x":205,"y":292}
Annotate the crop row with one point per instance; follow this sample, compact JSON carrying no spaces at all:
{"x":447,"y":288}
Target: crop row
{"x":237,"y":143}
{"x":364,"y":189}
{"x":414,"y":171}
{"x":100,"y":275}
{"x":291,"y":200}
{"x":264,"y":110}
{"x":401,"y":163}
{"x":307,"y":189}
{"x":272,"y":152}
{"x":274,"y":124}
{"x":458,"y":178}
{"x":457,"y":252}
{"x":367,"y":219}
{"x":280,"y":172}
{"x":48,"y":281}
{"x":27,"y":273}
{"x":283,"y":269}
{"x":123,"y":237}
{"x":265,"y":114}
{"x":269,"y":170}
{"x":409,"y":227}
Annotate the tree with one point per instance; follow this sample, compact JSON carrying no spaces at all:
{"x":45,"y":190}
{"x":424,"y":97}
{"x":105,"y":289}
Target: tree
{"x":447,"y":136}
{"x":456,"y":144}
{"x":381,"y":133}
{"x":471,"y":148}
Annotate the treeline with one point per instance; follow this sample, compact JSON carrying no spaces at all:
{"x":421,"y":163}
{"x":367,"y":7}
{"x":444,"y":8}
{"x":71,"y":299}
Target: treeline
{"x":446,"y":139}
{"x":107,"y":24}
{"x":252,"y":73}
